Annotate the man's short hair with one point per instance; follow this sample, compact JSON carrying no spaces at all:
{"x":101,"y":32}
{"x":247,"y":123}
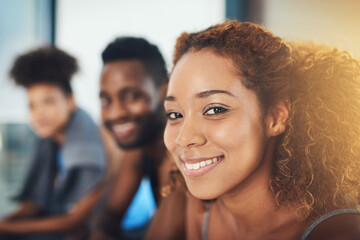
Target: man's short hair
{"x":132,"y":48}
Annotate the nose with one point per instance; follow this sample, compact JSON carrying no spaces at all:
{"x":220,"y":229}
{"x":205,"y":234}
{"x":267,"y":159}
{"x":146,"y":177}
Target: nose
{"x":190,"y":135}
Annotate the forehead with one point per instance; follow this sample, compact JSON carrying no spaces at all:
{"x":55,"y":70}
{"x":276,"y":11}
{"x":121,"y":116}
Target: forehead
{"x":120,"y":73}
{"x":44,"y":89}
{"x":201,"y":71}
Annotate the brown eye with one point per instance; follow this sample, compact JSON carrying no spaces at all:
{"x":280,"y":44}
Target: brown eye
{"x":173,"y":115}
{"x":132,"y":96}
{"x":215,"y":110}
{"x":105,"y":101}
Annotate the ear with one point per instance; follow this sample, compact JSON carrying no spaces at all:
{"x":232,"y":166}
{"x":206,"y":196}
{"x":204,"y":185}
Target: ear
{"x":277,"y":117}
{"x":71,"y":102}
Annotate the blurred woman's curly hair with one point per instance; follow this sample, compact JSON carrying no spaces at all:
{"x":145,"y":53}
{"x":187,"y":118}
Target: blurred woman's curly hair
{"x":45,"y":65}
{"x":316,"y":160}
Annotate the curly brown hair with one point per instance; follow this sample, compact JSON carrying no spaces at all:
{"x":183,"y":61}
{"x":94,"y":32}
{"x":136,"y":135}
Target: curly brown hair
{"x":48,"y":65}
{"x":316,"y":163}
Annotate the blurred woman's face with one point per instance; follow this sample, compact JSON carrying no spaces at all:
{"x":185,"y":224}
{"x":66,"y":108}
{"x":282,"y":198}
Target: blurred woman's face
{"x":215,"y":129}
{"x":50,"y":109}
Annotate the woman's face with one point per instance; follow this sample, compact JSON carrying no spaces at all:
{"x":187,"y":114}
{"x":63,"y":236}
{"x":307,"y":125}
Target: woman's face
{"x":50,"y":109}
{"x":215,"y":129}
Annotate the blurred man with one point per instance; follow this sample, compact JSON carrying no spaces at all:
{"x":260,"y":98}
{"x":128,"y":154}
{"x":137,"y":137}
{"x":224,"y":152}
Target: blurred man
{"x":132,"y":87}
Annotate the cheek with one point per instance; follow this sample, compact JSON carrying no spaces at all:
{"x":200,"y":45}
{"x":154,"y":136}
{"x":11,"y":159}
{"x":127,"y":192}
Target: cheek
{"x":139,"y":107}
{"x":229,"y":134}
{"x":32,"y":117}
{"x":170,"y":134}
{"x":58,"y":113}
{"x":103,"y":114}
{"x":243,"y":136}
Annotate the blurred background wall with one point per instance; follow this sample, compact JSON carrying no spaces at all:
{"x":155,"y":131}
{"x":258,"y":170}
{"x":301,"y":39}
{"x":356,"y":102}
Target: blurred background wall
{"x":84,"y":27}
{"x":332,"y":22}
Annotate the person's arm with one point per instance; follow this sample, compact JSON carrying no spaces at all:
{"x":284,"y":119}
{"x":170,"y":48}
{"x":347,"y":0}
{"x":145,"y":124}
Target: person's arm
{"x":115,"y":155}
{"x":169,"y":219}
{"x":124,"y":188}
{"x":61,"y":223}
{"x":25,"y":209}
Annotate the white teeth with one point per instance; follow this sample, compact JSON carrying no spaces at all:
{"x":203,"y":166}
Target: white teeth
{"x":201,"y":164}
{"x":196,"y":166}
{"x":123,"y":127}
{"x":189,"y":166}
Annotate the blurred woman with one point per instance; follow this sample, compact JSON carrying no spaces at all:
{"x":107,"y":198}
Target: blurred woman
{"x":64,"y":178}
{"x":267,"y":134}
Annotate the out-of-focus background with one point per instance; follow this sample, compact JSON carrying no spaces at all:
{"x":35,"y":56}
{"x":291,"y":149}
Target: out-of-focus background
{"x":84,"y":27}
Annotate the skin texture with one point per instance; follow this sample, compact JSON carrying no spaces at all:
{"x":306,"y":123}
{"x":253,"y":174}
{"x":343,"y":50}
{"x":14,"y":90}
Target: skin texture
{"x":49,"y":110}
{"x":129,"y":100}
{"x":227,"y":122}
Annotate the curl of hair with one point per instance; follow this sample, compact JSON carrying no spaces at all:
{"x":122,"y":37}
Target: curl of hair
{"x":316,"y":165}
{"x":132,"y":48}
{"x":48,"y":65}
{"x":318,"y":155}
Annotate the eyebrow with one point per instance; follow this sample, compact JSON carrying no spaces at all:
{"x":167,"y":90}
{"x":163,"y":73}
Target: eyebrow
{"x":203,"y":94}
{"x":122,"y":91}
{"x":212,"y":92}
{"x":102,"y":94}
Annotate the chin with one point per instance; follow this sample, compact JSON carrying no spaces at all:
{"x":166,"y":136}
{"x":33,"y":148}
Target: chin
{"x":128,"y":145}
{"x":43,"y":134}
{"x":203,"y":193}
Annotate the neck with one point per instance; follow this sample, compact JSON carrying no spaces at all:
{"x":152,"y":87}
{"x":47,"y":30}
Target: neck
{"x":59,"y":137}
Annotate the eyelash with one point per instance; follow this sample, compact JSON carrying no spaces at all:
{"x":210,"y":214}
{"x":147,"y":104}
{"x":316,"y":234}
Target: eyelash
{"x":168,"y":115}
{"x":104,"y":101}
{"x":217,"y":110}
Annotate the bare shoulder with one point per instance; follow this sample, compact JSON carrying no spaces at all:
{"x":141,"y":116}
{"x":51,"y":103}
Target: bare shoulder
{"x":339,"y":227}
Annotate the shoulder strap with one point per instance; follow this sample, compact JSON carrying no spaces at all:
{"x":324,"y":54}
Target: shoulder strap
{"x":325,"y":217}
{"x":206,"y":222}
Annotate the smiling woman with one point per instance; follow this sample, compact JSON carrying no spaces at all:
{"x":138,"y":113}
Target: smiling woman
{"x":219,"y":121}
{"x":257,"y":127}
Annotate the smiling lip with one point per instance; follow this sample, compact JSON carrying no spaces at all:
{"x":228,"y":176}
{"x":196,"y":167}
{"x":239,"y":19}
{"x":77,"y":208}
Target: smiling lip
{"x":124,"y":129}
{"x":200,"y":166}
